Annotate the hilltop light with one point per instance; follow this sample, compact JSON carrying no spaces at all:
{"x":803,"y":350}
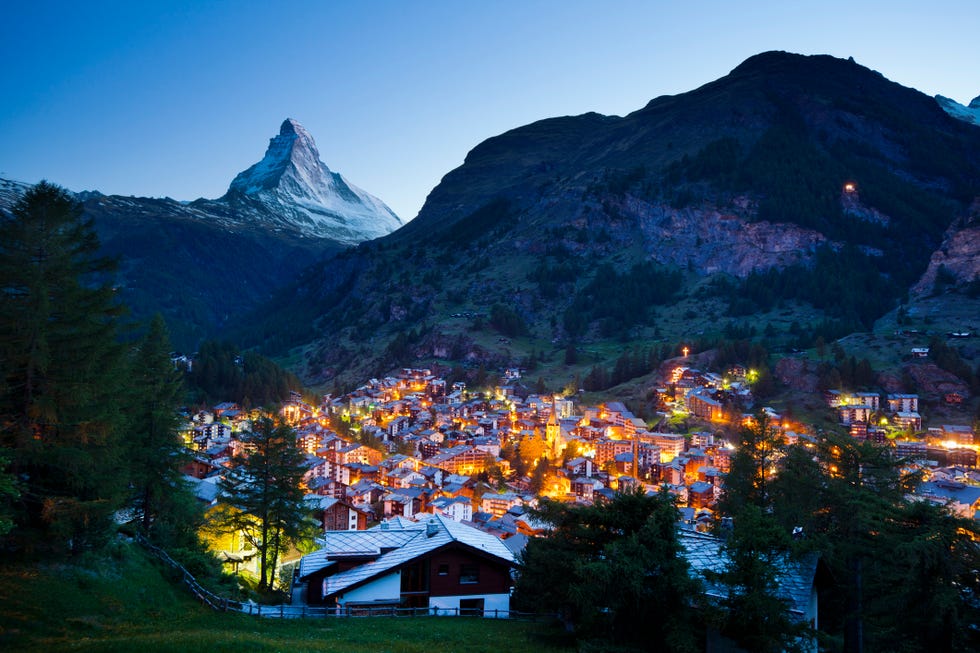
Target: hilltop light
{"x":850,"y":187}
{"x":685,"y":351}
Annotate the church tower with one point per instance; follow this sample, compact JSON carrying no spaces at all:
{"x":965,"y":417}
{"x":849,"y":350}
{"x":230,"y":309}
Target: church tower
{"x":552,"y":432}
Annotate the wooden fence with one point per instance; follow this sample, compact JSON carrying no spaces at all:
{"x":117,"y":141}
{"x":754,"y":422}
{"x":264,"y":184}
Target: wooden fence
{"x":283,"y":611}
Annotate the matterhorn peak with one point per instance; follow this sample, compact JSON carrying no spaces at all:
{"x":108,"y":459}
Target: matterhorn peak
{"x":296,"y":187}
{"x":294,"y":148}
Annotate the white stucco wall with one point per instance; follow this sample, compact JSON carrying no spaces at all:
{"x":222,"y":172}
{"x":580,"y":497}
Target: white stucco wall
{"x":385,"y":588}
{"x":491,"y":602}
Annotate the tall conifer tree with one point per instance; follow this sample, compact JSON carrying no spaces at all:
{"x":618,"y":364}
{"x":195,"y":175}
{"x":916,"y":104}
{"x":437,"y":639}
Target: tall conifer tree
{"x":155,"y":451}
{"x":60,"y":408}
{"x":262,"y":496}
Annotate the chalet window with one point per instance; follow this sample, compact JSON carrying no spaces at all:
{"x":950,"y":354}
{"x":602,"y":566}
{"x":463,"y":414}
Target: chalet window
{"x":469,"y":574}
{"x":443,"y":570}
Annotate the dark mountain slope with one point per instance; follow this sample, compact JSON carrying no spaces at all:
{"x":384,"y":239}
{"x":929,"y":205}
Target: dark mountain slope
{"x":793,"y":184}
{"x":831,"y":101}
{"x":201,"y":263}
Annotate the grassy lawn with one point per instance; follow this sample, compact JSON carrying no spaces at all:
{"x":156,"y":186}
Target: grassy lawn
{"x":123,"y":602}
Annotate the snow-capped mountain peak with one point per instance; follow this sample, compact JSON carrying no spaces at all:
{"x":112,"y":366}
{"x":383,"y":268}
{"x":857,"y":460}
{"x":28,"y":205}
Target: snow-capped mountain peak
{"x":293,"y":150}
{"x":301,"y":192}
{"x":970,"y":114}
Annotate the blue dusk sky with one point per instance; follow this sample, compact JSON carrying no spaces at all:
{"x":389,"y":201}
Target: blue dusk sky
{"x":175,"y":98}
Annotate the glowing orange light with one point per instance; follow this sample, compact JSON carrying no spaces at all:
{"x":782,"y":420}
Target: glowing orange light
{"x":685,"y":351}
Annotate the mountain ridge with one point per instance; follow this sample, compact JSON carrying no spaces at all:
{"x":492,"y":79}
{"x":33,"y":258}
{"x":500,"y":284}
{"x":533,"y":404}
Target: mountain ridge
{"x":203,"y":262}
{"x":814,"y":168}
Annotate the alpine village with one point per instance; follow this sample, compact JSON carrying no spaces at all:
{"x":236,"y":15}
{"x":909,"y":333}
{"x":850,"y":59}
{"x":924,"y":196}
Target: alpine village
{"x":705,"y":377}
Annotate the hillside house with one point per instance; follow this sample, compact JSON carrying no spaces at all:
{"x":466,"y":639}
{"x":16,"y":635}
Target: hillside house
{"x":456,"y":508}
{"x":704,"y":406}
{"x":332,"y":514}
{"x":439,"y":564}
{"x":907,"y":421}
{"x":854,"y":413}
{"x":903,"y":403}
{"x":958,"y":433}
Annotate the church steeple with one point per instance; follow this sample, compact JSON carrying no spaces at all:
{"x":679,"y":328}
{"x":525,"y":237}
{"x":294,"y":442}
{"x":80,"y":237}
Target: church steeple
{"x":552,"y":431}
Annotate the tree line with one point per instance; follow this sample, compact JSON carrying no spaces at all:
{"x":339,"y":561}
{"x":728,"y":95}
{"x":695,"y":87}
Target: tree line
{"x":894,"y":573}
{"x":89,"y":409}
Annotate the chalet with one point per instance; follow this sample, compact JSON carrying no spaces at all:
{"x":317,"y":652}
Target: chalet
{"x":673,"y":474}
{"x":456,"y":508}
{"x":439,"y":564}
{"x":859,"y":430}
{"x":907,"y":421}
{"x":703,"y":405}
{"x":700,"y":494}
{"x":903,"y":403}
{"x":854,"y":413}
{"x":607,"y":450}
{"x":579,"y":466}
{"x":365,"y":492}
{"x":314,"y":468}
{"x":358,"y":453}
{"x":224,"y":407}
{"x":498,"y":504}
{"x":198,"y":466}
{"x":335,"y":515}
{"x":915,"y":449}
{"x":964,"y":456}
{"x":404,"y":503}
{"x":585,"y":487}
{"x":463,"y":459}
{"x":624,"y":464}
{"x":702,"y":439}
{"x":671,"y":445}
{"x":960,"y":434}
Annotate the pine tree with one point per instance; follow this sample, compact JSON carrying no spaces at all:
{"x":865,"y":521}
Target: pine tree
{"x":759,"y":447}
{"x":262,"y":495}
{"x":613,"y":571}
{"x":61,"y":363}
{"x":155,"y":450}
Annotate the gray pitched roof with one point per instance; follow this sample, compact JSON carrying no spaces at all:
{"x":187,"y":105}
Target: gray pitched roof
{"x":406,"y":542}
{"x":705,"y":554}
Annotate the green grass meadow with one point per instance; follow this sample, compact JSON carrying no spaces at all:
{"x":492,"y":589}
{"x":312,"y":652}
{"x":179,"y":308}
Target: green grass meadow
{"x":123,"y":602}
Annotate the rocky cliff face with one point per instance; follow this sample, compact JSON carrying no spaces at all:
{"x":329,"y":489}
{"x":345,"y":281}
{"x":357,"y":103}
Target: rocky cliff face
{"x":958,"y":258}
{"x":704,"y":238}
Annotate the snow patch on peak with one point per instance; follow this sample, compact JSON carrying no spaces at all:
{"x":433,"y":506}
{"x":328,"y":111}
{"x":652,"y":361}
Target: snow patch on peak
{"x":970,"y":114}
{"x":301,"y":192}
